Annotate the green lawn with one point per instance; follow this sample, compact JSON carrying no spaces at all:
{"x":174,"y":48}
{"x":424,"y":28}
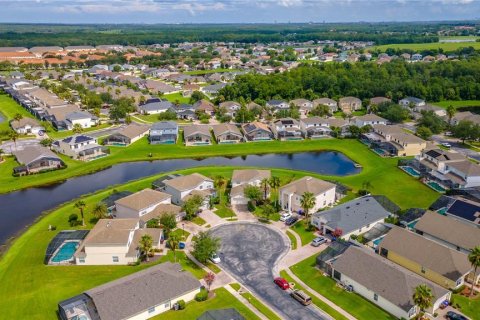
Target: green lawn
{"x":449,"y":46}
{"x":257,"y":304}
{"x":293,"y":240}
{"x":187,"y":264}
{"x":305,"y":236}
{"x":319,"y":303}
{"x":222,"y":300}
{"x":198,"y":220}
{"x":354,"y":304}
{"x":235,"y":286}
{"x":224,"y":212}
{"x":458,"y":103}
{"x":174,"y":97}
{"x":8,"y":109}
{"x":182,"y":234}
{"x":470,"y":307}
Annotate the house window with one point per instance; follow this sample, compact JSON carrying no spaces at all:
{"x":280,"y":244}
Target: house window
{"x":423,"y":269}
{"x":115,"y":258}
{"x":151,"y":310}
{"x":375,"y":297}
{"x":81,"y":260}
{"x":337,"y":275}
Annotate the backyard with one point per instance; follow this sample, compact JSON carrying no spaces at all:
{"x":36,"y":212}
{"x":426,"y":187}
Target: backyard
{"x":9,"y":108}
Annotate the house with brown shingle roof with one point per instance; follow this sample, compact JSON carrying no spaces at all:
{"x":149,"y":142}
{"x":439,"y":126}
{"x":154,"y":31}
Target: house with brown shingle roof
{"x":227,"y":133}
{"x":257,"y":131}
{"x":26,"y":126}
{"x":128,"y":135}
{"x":140,"y":203}
{"x":197,"y":135}
{"x":35,"y":159}
{"x":438,"y":263}
{"x":243,"y":178}
{"x":182,"y":187}
{"x":349,"y":104}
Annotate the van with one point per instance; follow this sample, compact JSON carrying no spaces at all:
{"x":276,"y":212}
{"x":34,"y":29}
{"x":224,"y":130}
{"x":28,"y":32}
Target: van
{"x":301,"y":297}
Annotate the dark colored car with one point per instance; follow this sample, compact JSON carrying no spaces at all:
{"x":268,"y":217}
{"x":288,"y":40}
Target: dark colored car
{"x":455,"y":316}
{"x":291,"y":221}
{"x":282,"y":283}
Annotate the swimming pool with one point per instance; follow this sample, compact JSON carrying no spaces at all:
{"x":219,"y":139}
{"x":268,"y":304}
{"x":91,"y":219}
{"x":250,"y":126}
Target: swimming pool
{"x":377,"y":241}
{"x":410,"y":171}
{"x":380,"y":152}
{"x":435,"y":186}
{"x":65,"y":252}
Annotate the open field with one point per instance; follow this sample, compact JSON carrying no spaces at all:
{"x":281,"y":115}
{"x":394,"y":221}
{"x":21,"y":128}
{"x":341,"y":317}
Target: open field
{"x":458,"y":103}
{"x":445,"y":46}
{"x":32,"y":289}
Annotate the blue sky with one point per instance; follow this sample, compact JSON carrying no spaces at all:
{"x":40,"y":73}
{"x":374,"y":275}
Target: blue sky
{"x":234,"y":11}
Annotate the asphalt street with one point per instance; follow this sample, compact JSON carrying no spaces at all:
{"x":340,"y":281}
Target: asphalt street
{"x":249,"y":252}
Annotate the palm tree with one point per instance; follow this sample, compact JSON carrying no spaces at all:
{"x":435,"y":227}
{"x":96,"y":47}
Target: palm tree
{"x":100,"y":210}
{"x":450,"y":113}
{"x":264,"y":183}
{"x":219,"y":181}
{"x":173,"y":242}
{"x":307,"y":202}
{"x":47,"y":142}
{"x":274,"y":183}
{"x":80,"y":205}
{"x":13,"y":135}
{"x":145,"y":245}
{"x":474,"y":258}
{"x":18,"y":117}
{"x":423,"y":297}
{"x":77,"y":128}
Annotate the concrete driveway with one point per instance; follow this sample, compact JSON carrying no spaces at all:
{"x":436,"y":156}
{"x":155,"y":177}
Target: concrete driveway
{"x":249,"y":253}
{"x":9,"y":146}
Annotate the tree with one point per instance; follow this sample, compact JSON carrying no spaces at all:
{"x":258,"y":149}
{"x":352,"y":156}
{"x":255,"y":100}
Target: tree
{"x":253,"y":193}
{"x":267,"y":211}
{"x":274,"y":183}
{"x":192,"y":205}
{"x":432,"y":121}
{"x":100,"y":210}
{"x":219,"y":181}
{"x":243,"y":115}
{"x":307,"y":202}
{"x":197,"y":96}
{"x":204,"y":245}
{"x":354,"y":131}
{"x":465,"y":130}
{"x":17,"y":117}
{"x":77,"y":128}
{"x":13,"y":135}
{"x":81,"y":205}
{"x":423,"y":297}
{"x":47,"y":142}
{"x":146,"y":245}
{"x":168,"y":221}
{"x":450,"y":113}
{"x":167,"y":115}
{"x":319,"y":111}
{"x":209,"y":278}
{"x":264,"y":184}
{"x":424,"y":133}
{"x":173,"y":242}
{"x":474,"y":258}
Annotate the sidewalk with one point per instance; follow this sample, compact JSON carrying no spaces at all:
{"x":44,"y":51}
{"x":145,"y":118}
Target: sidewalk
{"x":319,"y":296}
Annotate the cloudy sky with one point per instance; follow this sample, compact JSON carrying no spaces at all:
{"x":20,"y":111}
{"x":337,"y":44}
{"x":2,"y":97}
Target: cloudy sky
{"x":234,"y":11}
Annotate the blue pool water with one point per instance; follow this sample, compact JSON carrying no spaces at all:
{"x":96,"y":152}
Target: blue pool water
{"x":65,"y":252}
{"x":380,"y":152}
{"x":376,"y":242}
{"x":411,"y":171}
{"x":435,"y":186}
{"x":442,"y":211}
{"x":412,"y":224}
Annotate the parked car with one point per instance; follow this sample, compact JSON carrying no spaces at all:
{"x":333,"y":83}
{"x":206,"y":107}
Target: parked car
{"x":285,"y":216}
{"x":290,"y":221}
{"x":318,"y":241}
{"x":215,"y":258}
{"x":301,"y":297}
{"x":282,"y":283}
{"x":455,"y":316}
{"x":446,"y":145}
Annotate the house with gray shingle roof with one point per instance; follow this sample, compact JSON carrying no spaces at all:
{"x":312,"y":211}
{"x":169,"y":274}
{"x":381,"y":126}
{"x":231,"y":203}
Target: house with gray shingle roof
{"x":197,"y":135}
{"x":163,"y":132}
{"x":183,"y":187}
{"x":35,"y":159}
{"x":140,"y":203}
{"x":26,"y":126}
{"x":80,"y":147}
{"x":384,"y":283}
{"x":141,"y":295}
{"x":155,"y":107}
{"x":128,"y":135}
{"x":227,"y":133}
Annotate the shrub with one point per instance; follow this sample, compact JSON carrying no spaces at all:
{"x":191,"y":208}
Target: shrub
{"x":250,"y":206}
{"x":73,"y":220}
{"x":181,"y":304}
{"x":459,"y":289}
{"x":201,"y":296}
{"x":363,"y":192}
{"x":353,"y":237}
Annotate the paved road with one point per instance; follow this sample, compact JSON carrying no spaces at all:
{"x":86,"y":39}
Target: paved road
{"x":249,"y":252}
{"x":456,"y":146}
{"x":9,"y":146}
{"x":106,"y":131}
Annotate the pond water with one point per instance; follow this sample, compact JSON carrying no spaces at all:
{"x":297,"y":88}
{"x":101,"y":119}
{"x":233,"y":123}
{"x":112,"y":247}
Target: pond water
{"x":19,"y":209}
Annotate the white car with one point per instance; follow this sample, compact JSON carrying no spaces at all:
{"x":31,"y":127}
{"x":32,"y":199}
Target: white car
{"x":215,"y":258}
{"x":285,"y":216}
{"x":446,"y":145}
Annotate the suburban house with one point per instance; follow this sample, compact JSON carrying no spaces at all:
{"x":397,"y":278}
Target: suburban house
{"x":352,"y":218}
{"x":141,"y":295}
{"x":257,"y":131}
{"x":154,"y":106}
{"x":287,"y":129}
{"x":349,"y":104}
{"x":448,"y":231}
{"x":227,"y":133}
{"x":439,"y":111}
{"x":375,"y":101}
{"x":163,"y":132}
{"x":242,"y":178}
{"x":81,"y":147}
{"x":315,"y":127}
{"x":205,"y":106}
{"x":35,"y":159}
{"x":160,"y":210}
{"x":128,"y":135}
{"x":444,"y":266}
{"x":81,"y":118}
{"x":26,"y":126}
{"x":197,"y":135}
{"x":277,"y":105}
{"x":383,"y":282}
{"x":140,"y":203}
{"x":304,"y":105}
{"x":291,"y":194}
{"x":451,"y":169}
{"x":231,"y":107}
{"x":114,"y":241}
{"x":393,"y":140}
{"x":330,"y":103}
{"x":409,"y":102}
{"x":465,"y":210}
{"x":110,"y":200}
{"x":183,"y":187}
{"x":369,"y":120}
{"x":465,"y":115}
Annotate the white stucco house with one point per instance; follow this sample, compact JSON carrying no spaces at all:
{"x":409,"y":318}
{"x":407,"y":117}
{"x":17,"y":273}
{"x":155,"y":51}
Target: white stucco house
{"x":183,"y":187}
{"x":140,"y":203}
{"x":243,"y":178}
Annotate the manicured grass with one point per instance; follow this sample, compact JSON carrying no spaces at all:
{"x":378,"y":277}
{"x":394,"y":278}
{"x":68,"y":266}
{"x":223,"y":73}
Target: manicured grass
{"x":354,"y":304}
{"x":235,"y":286}
{"x":293,"y":240}
{"x":224,"y":212}
{"x":201,"y":72}
{"x":319,"y":303}
{"x":174,"y":97}
{"x":222,"y":300}
{"x":260,"y":306}
{"x":8,"y":109}
{"x":259,"y":213}
{"x":187,"y":264}
{"x":470,"y":307}
{"x":305,"y":235}
{"x":182,"y":234}
{"x":198,"y":220}
{"x":213,"y":267}
{"x":458,"y":103}
{"x":446,"y":46}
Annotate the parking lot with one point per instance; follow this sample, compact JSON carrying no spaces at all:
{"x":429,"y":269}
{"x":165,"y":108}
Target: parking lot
{"x":249,"y":252}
